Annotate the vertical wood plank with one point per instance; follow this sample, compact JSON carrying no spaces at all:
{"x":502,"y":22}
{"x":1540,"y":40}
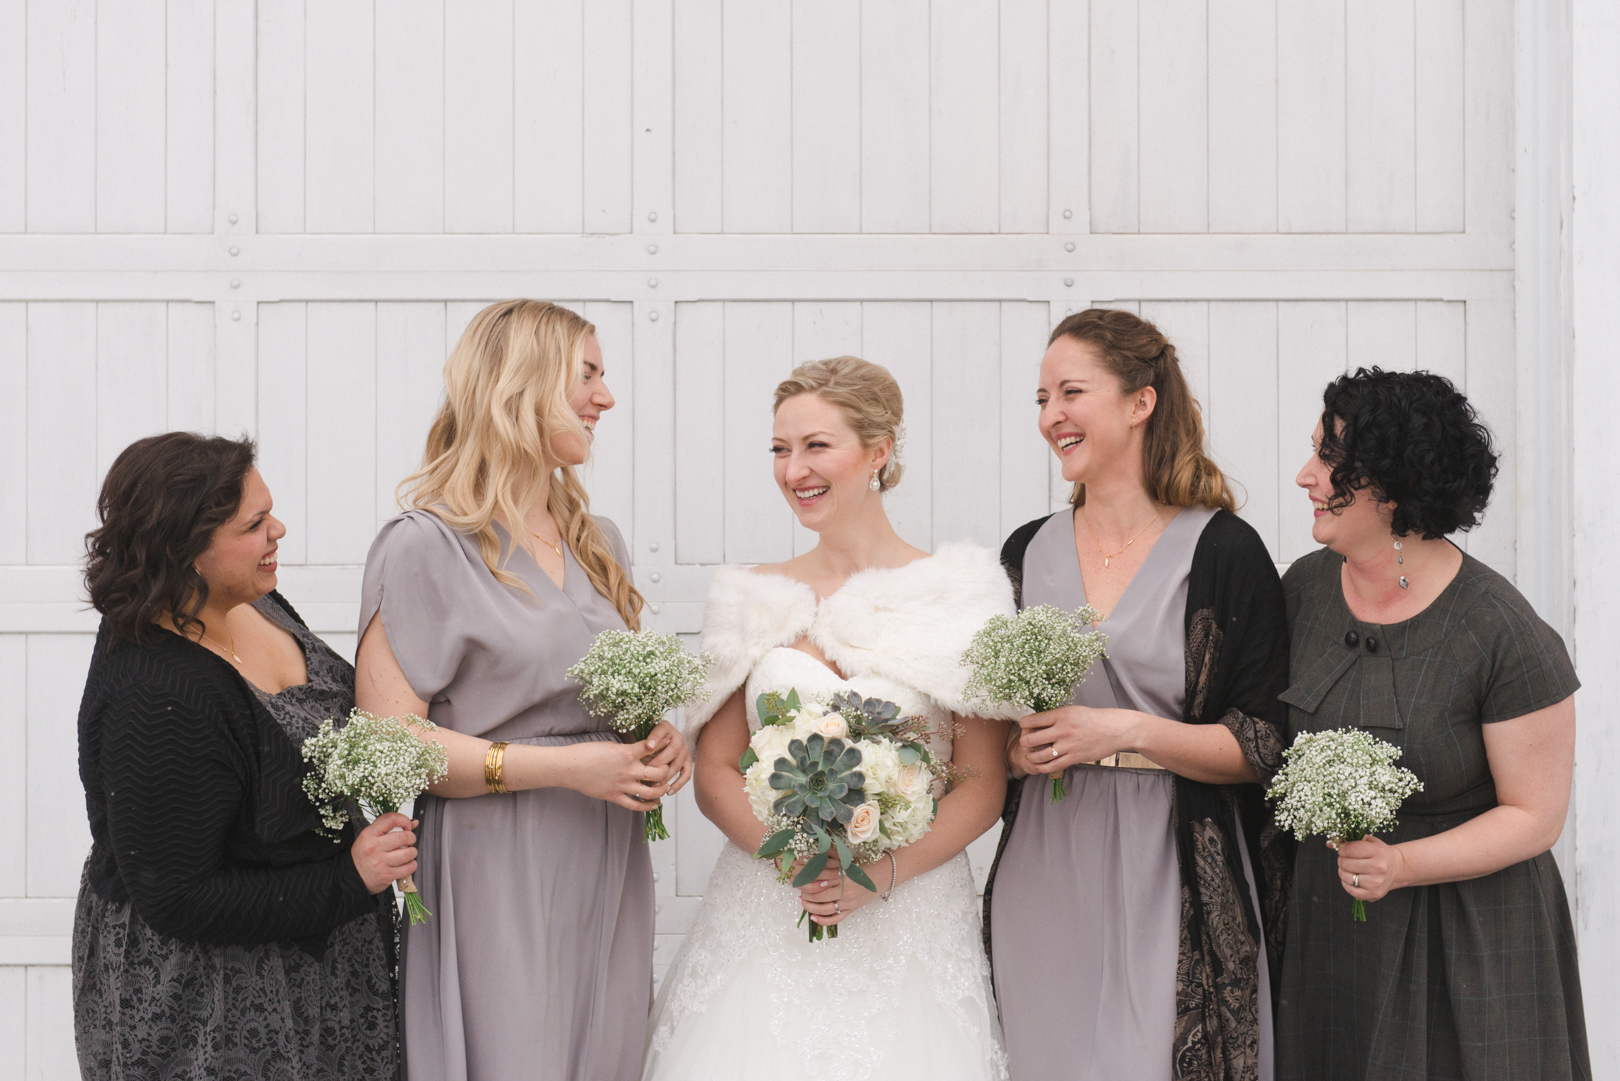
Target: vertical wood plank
{"x":549,"y":114}
{"x":342,"y":412}
{"x":13,"y":781}
{"x":1311,"y":344}
{"x":14,"y":1012}
{"x":1379,"y":120}
{"x":1382,"y":333}
{"x":1440,"y":147}
{"x":699,"y":131}
{"x":13,"y":116}
{"x":1311,"y":116}
{"x":1494,"y":390}
{"x":58,"y":831}
{"x":280,"y":119}
{"x":410,"y":363}
{"x":899,"y":336}
{"x":340,"y":85}
{"x":1186,"y":324}
{"x":826,"y":116}
{"x":1115,"y":124}
{"x":1023,"y":453}
{"x":610,"y":476}
{"x":132,"y":361}
{"x":895,"y":137}
{"x":478,"y":73}
{"x":410,"y":117}
{"x":191,"y":384}
{"x":14,"y":432}
{"x":1441,"y":334}
{"x":1243,"y":117}
{"x":757,"y":112}
{"x":758,"y":353}
{"x":1024,"y":144}
{"x":1241,"y":411}
{"x":967,"y":395}
{"x":965,"y":117}
{"x":1174,"y":117}
{"x":62,"y":477}
{"x":130,"y":117}
{"x":1491,"y":47}
{"x":1069,"y":118}
{"x":700,"y":443}
{"x":609,"y":150}
{"x":189,"y":152}
{"x":282,"y":419}
{"x":50,"y":1053}
{"x":61,"y":154}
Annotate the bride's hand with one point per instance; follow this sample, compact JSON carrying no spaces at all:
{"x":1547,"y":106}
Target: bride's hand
{"x":834,"y":895}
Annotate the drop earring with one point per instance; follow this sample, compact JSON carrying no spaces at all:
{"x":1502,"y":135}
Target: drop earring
{"x":1401,"y":560}
{"x":875,"y":484}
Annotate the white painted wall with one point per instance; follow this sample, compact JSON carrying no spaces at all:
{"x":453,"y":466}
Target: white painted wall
{"x":276,"y":219}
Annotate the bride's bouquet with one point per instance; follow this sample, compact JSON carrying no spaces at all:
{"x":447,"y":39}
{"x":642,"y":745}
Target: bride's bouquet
{"x":1034,"y":660}
{"x":1341,"y":784}
{"x":381,"y":763}
{"x":635,"y":677}
{"x":852,"y":778}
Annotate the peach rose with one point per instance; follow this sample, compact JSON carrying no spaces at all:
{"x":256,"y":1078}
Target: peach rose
{"x":912,"y":784}
{"x":864,"y":826}
{"x":832,"y":726}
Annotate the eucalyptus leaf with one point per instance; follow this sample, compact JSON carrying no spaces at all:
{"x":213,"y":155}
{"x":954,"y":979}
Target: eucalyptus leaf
{"x":775,"y":843}
{"x":855,"y":872}
{"x":749,"y":757}
{"x":909,"y":753}
{"x":816,"y":865}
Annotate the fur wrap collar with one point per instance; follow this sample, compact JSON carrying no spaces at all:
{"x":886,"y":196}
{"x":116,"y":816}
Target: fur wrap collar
{"x":909,"y":624}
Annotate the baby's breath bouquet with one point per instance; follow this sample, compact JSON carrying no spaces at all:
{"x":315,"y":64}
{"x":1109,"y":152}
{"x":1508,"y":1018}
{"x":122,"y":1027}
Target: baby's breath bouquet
{"x":635,"y":677}
{"x":1034,"y":660}
{"x":1341,"y":784}
{"x":851,"y":776}
{"x":380,"y":763}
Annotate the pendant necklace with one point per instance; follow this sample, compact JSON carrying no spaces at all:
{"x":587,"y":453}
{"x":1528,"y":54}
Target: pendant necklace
{"x":231,"y":651}
{"x":557,"y":547}
{"x":1106,"y":556}
{"x":1400,"y":560}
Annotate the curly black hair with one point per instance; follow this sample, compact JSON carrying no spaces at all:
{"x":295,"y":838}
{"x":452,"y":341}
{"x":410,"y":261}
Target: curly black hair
{"x":160,"y":504}
{"x":1411,"y":439}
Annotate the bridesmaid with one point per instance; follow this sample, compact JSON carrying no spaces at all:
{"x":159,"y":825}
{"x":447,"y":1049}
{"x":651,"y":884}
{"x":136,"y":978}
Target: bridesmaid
{"x":1466,"y":965}
{"x":537,"y":961}
{"x":1127,"y":919}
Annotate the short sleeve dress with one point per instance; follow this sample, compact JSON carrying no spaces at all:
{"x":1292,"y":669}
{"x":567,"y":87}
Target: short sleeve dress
{"x":1474,"y":979}
{"x":537,"y":961}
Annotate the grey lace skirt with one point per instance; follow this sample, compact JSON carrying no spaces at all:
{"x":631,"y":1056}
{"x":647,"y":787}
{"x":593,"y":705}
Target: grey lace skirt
{"x":149,"y":1006}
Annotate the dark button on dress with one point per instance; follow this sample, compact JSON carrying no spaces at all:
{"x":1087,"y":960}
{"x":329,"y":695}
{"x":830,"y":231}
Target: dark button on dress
{"x":1474,"y":979}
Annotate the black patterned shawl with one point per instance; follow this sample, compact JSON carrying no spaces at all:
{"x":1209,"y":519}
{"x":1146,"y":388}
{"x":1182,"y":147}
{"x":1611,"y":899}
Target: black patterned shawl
{"x":1237,"y":665}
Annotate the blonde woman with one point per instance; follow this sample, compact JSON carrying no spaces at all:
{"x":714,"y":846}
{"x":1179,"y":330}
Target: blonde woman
{"x":537,"y":962}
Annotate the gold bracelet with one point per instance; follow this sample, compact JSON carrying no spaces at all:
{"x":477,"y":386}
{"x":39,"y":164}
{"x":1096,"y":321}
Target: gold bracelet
{"x":494,"y":768}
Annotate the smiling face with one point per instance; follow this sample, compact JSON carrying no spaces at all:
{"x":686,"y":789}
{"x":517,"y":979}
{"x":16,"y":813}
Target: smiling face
{"x":820,"y":465}
{"x":1365,"y":523}
{"x":239,"y":564}
{"x":589,"y":399}
{"x":1086,"y":417}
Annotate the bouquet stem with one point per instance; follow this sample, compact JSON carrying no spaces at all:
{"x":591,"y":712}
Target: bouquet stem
{"x":414,"y":906}
{"x":653,"y":829}
{"x":1059,"y":792}
{"x":1359,"y":911}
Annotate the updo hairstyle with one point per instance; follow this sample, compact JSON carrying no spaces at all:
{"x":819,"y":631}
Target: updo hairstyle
{"x":868,"y":395}
{"x":160,"y":504}
{"x":1412,"y":439}
{"x":1175,"y":469}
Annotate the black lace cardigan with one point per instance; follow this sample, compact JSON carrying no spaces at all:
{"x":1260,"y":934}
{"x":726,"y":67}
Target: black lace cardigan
{"x":197,"y":813}
{"x":1237,"y":665}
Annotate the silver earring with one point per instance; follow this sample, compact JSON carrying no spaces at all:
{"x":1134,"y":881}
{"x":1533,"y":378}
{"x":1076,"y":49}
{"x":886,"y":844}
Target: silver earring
{"x":1400,"y":559}
{"x":876,"y":485}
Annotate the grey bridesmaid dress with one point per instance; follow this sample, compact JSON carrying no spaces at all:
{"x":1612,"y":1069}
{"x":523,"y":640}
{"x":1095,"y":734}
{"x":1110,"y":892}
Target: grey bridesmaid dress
{"x":537,"y":960}
{"x":1087,"y":916}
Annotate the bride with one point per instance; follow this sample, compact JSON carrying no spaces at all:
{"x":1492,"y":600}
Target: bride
{"x":904,"y":991}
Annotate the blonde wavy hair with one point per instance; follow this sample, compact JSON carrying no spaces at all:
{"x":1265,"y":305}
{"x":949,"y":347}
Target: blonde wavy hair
{"x":867,"y":394}
{"x":506,"y":387}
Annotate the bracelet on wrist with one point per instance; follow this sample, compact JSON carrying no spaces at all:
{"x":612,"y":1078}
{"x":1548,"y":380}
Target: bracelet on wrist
{"x":495,"y":769}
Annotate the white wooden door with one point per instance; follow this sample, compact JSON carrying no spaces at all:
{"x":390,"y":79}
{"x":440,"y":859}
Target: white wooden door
{"x":277,"y":218}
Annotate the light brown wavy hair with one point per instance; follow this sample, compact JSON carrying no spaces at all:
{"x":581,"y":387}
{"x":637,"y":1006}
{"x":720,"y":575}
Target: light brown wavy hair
{"x":868,"y":396}
{"x":1175,"y":468}
{"x":506,"y":388}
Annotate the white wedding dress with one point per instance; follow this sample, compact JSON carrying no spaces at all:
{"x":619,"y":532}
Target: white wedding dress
{"x":904,"y":992}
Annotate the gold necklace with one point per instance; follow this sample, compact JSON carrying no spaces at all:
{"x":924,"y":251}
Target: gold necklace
{"x":231,"y":651}
{"x":554,"y":547}
{"x":1106,"y":556}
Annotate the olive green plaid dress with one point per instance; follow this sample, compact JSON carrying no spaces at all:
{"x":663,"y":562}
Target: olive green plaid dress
{"x":1474,"y":979}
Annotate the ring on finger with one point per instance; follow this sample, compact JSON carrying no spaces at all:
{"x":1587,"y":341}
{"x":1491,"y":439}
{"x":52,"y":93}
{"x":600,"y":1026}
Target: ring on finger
{"x":1355,"y":882}
{"x":1054,"y":750}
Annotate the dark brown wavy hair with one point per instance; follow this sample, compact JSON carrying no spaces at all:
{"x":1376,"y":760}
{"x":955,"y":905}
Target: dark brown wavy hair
{"x":160,"y":504}
{"x":1175,"y":468}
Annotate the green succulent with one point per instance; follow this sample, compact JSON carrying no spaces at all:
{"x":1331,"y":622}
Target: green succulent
{"x":873,"y":711}
{"x":819,"y":777}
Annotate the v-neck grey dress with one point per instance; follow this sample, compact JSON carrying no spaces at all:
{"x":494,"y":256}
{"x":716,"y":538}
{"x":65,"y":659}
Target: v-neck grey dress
{"x":537,"y":960}
{"x":1087,"y":919}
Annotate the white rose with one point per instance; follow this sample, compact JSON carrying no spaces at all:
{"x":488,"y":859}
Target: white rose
{"x":912,"y":782}
{"x":879,"y":763}
{"x":864,"y":826}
